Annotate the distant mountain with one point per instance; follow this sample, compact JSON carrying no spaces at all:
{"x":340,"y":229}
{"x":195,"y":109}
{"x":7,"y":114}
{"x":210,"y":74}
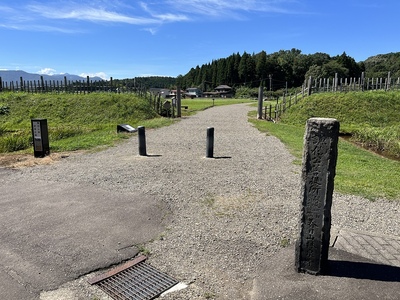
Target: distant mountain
{"x":12,"y":76}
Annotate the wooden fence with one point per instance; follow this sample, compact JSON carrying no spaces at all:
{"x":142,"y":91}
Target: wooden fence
{"x":89,"y":86}
{"x":274,"y":112}
{"x":361,"y":84}
{"x":352,"y":84}
{"x":64,"y":86}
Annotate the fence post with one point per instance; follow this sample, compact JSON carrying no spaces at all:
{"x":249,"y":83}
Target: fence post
{"x":21,"y":83}
{"x":335,"y":84}
{"x":362,"y":81}
{"x":318,"y":172}
{"x":270,"y":111}
{"x":178,"y":102}
{"x":87,"y":84}
{"x":309,"y":85}
{"x":260,"y":101}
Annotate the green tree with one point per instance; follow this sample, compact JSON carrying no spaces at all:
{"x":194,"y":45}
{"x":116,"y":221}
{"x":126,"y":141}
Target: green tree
{"x":350,"y":64}
{"x":247,"y":68}
{"x":261,"y":65}
{"x":314,"y":71}
{"x":221,"y":71}
{"x":329,"y":70}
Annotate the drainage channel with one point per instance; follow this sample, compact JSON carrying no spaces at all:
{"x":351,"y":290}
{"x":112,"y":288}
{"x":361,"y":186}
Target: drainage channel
{"x":134,"y":280}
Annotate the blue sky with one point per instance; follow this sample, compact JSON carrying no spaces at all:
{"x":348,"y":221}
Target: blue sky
{"x":125,"y":39}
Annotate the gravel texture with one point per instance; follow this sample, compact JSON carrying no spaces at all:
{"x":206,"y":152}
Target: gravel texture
{"x":228,"y":214}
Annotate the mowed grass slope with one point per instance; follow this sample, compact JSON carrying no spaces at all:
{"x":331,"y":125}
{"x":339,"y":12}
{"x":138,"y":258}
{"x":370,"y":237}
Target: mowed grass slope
{"x":359,"y":171}
{"x":75,"y":121}
{"x":371,"y":118}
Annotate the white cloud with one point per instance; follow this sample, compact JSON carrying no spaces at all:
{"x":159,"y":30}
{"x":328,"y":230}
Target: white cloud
{"x":88,"y":13}
{"x":153,"y":31}
{"x":230,"y":7}
{"x":165,"y":16}
{"x":51,"y":17}
{"x":102,"y":75}
{"x":47,"y":71}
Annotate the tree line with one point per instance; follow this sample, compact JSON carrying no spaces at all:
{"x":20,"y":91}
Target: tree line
{"x":286,"y":69}
{"x":278,"y":70}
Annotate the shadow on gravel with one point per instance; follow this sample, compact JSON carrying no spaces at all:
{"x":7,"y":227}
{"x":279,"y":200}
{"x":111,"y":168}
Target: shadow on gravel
{"x":364,"y":270}
{"x":222,"y":157}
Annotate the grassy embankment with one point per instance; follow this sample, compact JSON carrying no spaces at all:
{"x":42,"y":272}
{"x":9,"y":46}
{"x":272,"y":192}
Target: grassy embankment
{"x":82,"y":121}
{"x":372,"y":118}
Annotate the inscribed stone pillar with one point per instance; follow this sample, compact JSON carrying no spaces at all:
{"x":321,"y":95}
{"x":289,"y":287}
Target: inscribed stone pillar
{"x":318,"y":172}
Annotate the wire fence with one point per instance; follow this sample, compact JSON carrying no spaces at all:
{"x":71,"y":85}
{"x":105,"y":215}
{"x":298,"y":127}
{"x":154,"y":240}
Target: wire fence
{"x":66,"y":86}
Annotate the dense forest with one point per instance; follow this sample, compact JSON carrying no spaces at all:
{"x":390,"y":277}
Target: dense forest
{"x":283,"y":69}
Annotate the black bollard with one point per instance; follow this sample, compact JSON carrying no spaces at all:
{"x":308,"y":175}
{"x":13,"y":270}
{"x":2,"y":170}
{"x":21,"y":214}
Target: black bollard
{"x":142,"y":141}
{"x":210,"y":142}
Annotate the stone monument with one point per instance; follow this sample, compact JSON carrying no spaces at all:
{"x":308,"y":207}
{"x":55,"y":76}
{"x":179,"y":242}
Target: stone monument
{"x":317,"y":183}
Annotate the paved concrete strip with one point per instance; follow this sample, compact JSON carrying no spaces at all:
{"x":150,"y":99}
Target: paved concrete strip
{"x":379,"y":248}
{"x":55,"y":232}
{"x":351,"y":277}
{"x":12,"y":288}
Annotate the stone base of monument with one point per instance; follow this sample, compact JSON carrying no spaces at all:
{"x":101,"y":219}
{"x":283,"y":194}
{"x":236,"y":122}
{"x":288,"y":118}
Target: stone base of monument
{"x":348,"y":276}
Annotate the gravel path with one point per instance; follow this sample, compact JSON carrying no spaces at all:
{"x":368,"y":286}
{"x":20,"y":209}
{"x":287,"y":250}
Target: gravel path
{"x":228,"y":214}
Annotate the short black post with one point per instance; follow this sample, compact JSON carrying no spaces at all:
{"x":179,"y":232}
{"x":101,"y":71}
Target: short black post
{"x":210,"y":142}
{"x":318,"y":172}
{"x":142,"y":140}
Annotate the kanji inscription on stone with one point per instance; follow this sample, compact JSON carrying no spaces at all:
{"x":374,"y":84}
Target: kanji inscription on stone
{"x":317,"y":183}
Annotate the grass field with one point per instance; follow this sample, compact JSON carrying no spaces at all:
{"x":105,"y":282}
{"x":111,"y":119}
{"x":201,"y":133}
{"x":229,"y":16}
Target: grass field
{"x":198,"y":104}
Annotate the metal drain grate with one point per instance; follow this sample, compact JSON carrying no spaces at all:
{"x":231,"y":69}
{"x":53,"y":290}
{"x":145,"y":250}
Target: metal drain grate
{"x":134,"y":280}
